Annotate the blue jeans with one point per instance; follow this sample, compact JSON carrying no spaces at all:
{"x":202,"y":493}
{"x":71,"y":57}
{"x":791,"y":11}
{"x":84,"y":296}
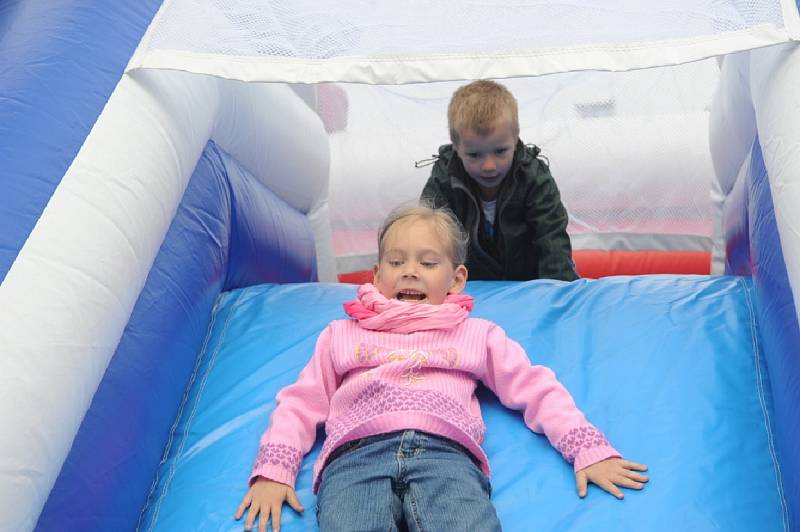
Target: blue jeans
{"x":407,"y":480}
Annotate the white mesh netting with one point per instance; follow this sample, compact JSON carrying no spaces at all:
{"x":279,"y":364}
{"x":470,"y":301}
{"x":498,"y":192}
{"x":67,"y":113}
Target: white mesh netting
{"x":320,"y":30}
{"x":629,"y":152}
{"x":629,"y":148}
{"x":398,"y":42}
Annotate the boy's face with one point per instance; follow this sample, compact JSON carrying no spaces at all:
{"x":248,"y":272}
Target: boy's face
{"x":487,"y":158}
{"x":415,"y":266}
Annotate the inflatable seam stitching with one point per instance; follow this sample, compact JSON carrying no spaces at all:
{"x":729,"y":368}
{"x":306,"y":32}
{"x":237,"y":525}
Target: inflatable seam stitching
{"x":762,"y":402}
{"x":171,"y":473}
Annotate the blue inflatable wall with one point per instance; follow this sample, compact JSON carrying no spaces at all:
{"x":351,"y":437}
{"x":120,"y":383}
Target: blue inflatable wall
{"x":754,"y":248}
{"x":229,"y":232}
{"x":59,"y":62}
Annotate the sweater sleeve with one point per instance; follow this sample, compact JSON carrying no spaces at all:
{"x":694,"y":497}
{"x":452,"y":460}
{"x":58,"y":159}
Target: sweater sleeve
{"x":301,"y":406}
{"x":546,"y":405}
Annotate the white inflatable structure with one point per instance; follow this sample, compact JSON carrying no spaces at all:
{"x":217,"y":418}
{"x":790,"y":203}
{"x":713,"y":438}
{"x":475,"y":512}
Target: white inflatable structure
{"x":649,"y":116}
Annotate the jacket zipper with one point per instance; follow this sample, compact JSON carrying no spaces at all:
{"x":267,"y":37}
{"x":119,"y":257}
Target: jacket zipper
{"x":500,"y":207}
{"x":474,"y":233}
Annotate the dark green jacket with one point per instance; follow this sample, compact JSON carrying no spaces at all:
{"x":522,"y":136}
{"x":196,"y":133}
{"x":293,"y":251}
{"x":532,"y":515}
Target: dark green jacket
{"x":530,"y":240}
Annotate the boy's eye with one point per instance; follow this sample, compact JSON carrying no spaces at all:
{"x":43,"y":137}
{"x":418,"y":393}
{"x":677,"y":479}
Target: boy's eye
{"x":501,"y":151}
{"x":429,"y":264}
{"x":472,"y":155}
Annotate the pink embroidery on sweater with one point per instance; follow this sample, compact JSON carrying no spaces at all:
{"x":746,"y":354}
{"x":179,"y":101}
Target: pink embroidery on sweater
{"x":286,"y":456}
{"x":380,"y":398}
{"x":418,"y":360}
{"x":365,"y":353}
{"x":573,"y":442}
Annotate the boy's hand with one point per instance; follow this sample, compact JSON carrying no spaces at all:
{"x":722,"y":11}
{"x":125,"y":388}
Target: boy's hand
{"x":266,"y":497}
{"x":611,"y":473}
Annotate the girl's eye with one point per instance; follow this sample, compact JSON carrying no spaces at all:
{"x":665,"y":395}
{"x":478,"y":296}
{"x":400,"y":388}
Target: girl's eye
{"x":395,"y":262}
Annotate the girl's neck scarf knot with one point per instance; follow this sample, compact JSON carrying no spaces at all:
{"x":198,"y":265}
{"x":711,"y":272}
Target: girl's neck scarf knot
{"x":375,"y":312}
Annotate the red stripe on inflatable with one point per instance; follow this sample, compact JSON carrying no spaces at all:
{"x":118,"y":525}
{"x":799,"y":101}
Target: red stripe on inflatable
{"x":361,"y":277}
{"x":598,"y":263}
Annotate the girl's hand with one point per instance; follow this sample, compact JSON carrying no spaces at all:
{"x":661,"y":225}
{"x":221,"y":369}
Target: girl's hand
{"x":610,"y":473}
{"x":266,"y":497}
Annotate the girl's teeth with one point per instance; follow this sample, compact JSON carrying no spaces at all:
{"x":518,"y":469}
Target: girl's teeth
{"x":410,"y":294}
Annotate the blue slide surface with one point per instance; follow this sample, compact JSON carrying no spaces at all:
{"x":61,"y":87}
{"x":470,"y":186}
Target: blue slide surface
{"x":669,"y":367}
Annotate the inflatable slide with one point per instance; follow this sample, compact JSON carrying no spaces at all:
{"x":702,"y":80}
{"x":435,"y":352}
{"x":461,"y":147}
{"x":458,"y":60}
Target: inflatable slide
{"x":187,"y":186}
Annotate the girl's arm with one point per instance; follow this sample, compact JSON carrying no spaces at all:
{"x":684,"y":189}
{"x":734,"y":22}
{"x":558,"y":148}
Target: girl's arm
{"x":546,"y":405}
{"x":300,"y":408}
{"x":549,"y":408}
{"x":291,"y":433}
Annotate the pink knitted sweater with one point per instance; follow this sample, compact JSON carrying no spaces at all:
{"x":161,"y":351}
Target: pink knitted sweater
{"x":399,"y":366}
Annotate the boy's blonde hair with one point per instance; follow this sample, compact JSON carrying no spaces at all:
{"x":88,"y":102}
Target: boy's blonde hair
{"x":445,"y":222}
{"x":477,"y":106}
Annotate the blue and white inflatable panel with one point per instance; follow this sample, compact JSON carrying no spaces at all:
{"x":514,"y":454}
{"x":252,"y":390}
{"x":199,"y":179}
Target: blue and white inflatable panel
{"x":145,"y":202}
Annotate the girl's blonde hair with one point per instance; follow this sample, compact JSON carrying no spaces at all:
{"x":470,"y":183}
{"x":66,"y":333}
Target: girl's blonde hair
{"x":445,"y":222}
{"x":477,"y":106}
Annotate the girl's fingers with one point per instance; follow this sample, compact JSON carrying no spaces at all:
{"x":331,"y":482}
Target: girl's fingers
{"x":611,"y":488}
{"x":633,"y":465}
{"x":636,"y":476}
{"x":628,"y":483}
{"x":580,"y":483}
{"x":251,"y":517}
{"x":276,"y":519}
{"x":294,"y":502}
{"x":243,"y":506}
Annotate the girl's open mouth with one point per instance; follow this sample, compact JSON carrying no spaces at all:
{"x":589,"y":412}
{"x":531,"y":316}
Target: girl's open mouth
{"x":414,"y":296}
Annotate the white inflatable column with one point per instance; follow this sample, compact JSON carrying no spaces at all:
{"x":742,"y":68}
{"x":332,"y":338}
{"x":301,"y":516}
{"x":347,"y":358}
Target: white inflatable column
{"x":69,"y":294}
{"x":276,"y":137}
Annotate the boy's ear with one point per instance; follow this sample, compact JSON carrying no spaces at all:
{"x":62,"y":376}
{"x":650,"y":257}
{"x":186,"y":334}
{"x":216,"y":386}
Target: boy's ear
{"x":459,"y":280}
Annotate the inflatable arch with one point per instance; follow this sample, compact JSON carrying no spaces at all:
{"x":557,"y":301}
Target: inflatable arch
{"x":176,"y":194}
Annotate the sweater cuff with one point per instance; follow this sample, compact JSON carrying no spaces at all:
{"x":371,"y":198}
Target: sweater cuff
{"x":591,"y":456}
{"x":275,"y":474}
{"x":584,"y":446}
{"x":277,"y":461}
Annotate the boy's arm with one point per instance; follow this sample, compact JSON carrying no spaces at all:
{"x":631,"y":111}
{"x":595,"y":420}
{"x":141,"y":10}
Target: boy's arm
{"x":300,"y":408}
{"x":548,"y":217}
{"x":546,"y":405}
{"x":432,"y":192}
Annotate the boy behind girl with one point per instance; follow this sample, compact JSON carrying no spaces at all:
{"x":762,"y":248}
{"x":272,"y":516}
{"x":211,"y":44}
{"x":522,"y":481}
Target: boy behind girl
{"x":502,"y":194}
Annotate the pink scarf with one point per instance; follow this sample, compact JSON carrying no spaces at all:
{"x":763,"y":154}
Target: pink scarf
{"x":375,"y":312}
